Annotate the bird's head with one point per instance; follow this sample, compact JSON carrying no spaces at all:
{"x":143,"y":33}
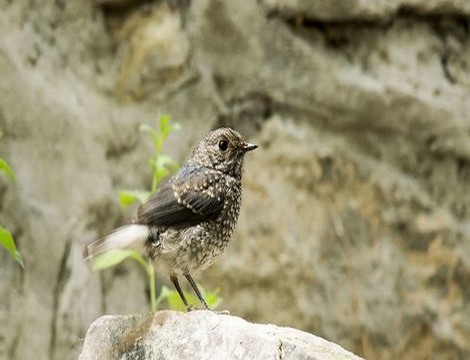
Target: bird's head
{"x":222,"y":149}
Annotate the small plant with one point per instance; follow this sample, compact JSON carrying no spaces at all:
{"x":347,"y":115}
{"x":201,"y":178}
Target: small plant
{"x":115,"y":256}
{"x":162,"y":165}
{"x":6,"y":239}
{"x":212,"y":298}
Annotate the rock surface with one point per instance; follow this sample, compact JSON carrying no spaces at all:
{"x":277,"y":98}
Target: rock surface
{"x":201,"y":335}
{"x":355,"y":223}
{"x":338,"y":10}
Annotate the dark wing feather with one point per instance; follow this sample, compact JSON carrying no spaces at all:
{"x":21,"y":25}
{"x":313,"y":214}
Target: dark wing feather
{"x":191,"y":196}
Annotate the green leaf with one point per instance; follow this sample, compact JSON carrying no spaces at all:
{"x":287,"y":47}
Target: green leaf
{"x":157,"y":140}
{"x":7,"y":169}
{"x":165,"y":127}
{"x":161,"y":166}
{"x":175,"y":303}
{"x":213,"y":299}
{"x":148,"y":129}
{"x":164,"y":292}
{"x":160,"y":174}
{"x":6,"y":240}
{"x":112,"y":258}
{"x":166,"y":161}
{"x":128,"y":197}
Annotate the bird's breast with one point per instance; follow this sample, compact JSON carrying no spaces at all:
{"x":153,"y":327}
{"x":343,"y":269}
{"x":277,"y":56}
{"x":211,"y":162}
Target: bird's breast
{"x":221,"y":228}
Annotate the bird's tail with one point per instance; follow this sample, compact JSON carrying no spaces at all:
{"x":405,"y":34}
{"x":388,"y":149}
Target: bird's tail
{"x":132,"y":236}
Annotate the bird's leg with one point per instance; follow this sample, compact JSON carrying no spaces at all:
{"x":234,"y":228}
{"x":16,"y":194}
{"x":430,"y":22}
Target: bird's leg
{"x":174,"y":280}
{"x":196,"y":290}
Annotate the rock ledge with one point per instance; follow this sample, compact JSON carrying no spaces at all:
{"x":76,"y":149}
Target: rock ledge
{"x":201,"y":335}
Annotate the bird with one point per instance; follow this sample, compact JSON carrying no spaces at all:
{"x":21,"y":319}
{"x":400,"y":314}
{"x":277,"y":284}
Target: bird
{"x":188,"y":222}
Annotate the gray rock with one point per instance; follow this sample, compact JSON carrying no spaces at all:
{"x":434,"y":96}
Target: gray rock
{"x":201,"y":335}
{"x":154,"y":52}
{"x":339,"y":10}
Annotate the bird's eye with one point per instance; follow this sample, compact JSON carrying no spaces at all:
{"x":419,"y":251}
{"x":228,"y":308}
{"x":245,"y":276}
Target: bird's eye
{"x":223,"y":145}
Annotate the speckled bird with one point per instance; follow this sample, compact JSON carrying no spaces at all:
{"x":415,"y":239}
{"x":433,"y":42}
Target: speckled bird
{"x":188,"y":222}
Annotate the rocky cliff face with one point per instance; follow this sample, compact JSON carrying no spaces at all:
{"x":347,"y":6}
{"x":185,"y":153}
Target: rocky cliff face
{"x":356,"y":216}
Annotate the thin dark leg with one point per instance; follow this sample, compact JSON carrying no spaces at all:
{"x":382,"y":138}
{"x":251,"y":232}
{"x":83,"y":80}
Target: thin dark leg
{"x":175,"y":282}
{"x":196,"y":290}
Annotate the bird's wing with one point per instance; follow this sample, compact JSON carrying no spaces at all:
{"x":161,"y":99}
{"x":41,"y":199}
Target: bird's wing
{"x":194,"y":194}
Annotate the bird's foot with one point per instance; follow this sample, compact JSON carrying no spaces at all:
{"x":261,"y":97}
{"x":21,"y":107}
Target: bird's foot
{"x":191,"y":308}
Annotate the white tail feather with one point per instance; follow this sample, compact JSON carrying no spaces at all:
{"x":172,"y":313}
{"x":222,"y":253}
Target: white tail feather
{"x":131,"y":236}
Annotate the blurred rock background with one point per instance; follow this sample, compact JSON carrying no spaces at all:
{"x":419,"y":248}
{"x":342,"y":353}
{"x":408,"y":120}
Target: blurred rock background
{"x":356,"y":217}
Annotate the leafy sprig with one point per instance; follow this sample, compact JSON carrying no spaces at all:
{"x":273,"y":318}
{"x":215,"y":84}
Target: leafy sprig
{"x":6,"y":239}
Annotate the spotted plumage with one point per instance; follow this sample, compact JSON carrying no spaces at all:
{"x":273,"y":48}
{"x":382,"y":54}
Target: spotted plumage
{"x":189,"y":221}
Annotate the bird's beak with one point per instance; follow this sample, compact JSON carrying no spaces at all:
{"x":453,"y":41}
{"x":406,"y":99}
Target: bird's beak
{"x":249,"y":147}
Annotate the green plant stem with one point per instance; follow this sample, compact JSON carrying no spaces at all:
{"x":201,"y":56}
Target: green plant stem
{"x":151,"y":273}
{"x":154,"y":184}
